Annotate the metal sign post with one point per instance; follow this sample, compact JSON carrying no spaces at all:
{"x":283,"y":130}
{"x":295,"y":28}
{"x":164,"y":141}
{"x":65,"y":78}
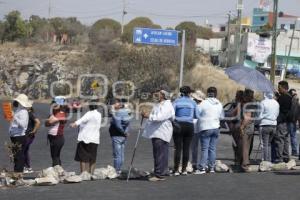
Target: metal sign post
{"x":163,"y":38}
{"x":182,"y":58}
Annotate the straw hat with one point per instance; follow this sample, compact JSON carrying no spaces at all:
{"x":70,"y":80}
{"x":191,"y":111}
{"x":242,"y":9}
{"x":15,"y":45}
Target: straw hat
{"x":198,"y":95}
{"x":23,"y":100}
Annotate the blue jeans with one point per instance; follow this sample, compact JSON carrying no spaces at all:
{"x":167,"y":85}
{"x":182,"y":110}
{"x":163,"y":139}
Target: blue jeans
{"x":195,"y":149}
{"x":118,"y":144}
{"x":208,"y":139}
{"x":292,"y":129}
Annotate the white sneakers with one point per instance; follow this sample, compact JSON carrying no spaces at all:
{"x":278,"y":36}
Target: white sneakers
{"x":184,"y":173}
{"x":177,"y":174}
{"x":203,"y":171}
{"x":27,"y":170}
{"x":197,"y":172}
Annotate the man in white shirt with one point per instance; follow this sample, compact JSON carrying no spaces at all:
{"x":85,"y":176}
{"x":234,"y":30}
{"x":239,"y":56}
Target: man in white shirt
{"x":159,"y":129}
{"x":88,"y":138}
{"x":268,"y":123}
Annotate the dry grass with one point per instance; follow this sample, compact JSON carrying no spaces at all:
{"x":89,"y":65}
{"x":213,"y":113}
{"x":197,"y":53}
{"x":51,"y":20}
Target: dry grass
{"x":11,"y":150}
{"x":204,"y":76}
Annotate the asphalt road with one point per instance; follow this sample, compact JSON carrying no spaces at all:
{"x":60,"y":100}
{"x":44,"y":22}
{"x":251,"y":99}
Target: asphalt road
{"x":283,"y":185}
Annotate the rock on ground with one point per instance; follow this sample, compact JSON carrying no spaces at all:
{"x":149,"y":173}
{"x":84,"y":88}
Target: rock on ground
{"x":265,"y":166}
{"x":221,"y":167}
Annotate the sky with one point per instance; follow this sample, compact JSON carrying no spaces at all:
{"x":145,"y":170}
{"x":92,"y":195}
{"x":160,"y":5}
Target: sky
{"x":167,"y":13}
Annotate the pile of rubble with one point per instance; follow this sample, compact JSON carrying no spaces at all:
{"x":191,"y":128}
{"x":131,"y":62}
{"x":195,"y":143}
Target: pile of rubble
{"x":266,"y":166}
{"x":55,"y":175}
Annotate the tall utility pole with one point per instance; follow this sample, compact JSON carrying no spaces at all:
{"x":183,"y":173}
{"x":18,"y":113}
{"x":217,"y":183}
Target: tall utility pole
{"x":124,"y":12}
{"x":49,"y":16}
{"x":239,"y":30}
{"x":49,"y":10}
{"x":290,"y":49}
{"x":182,"y":58}
{"x":274,"y":39}
{"x":228,"y":39}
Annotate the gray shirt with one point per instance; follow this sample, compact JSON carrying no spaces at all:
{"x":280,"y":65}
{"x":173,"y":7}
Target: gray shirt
{"x":269,"y":112}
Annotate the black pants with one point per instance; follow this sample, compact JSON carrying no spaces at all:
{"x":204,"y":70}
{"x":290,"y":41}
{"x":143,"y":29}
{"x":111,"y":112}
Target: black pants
{"x":281,"y":144}
{"x":161,"y":156}
{"x":182,"y":141}
{"x":56,"y":144}
{"x":18,"y":152}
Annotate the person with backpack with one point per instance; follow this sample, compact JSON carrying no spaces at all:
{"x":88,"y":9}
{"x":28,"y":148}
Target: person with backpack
{"x":280,"y":143}
{"x":118,"y":130}
{"x":292,"y":124}
{"x":33,"y":125}
{"x":186,"y":111}
{"x":88,"y":138}
{"x":17,"y":131}
{"x":56,"y":122}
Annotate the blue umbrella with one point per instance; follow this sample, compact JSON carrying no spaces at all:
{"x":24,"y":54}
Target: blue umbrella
{"x":250,"y":78}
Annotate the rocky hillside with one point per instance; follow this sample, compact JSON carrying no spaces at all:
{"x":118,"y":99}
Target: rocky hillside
{"x":31,"y":70}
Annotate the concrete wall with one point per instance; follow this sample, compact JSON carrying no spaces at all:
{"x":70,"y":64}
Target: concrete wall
{"x":208,"y":46}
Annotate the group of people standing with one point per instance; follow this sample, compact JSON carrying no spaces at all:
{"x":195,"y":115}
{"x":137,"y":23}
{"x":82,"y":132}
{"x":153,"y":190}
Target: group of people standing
{"x":25,"y":125}
{"x":179,"y":120}
{"x":191,"y":119}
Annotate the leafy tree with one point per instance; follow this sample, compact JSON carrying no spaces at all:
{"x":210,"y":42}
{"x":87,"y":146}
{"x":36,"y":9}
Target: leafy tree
{"x":142,"y":22}
{"x":14,"y":26}
{"x":2,"y":29}
{"x":70,"y":26}
{"x":38,"y":25}
{"x":205,"y":33}
{"x":104,"y":30}
{"x":58,"y":25}
{"x":73,"y":27}
{"x":190,"y":31}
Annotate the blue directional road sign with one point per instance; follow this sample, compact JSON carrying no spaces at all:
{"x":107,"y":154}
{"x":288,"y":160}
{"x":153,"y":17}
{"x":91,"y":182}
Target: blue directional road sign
{"x":155,"y":36}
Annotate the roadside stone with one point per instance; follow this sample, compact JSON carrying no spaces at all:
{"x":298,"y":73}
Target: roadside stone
{"x":253,"y":168}
{"x":59,"y":170}
{"x":265,"y":166}
{"x":46,"y":181}
{"x":100,"y":174}
{"x":279,"y":166}
{"x":73,"y":179}
{"x":221,"y":167}
{"x":292,"y":163}
{"x":85,"y":176}
{"x":112,"y":173}
{"x":49,"y":172}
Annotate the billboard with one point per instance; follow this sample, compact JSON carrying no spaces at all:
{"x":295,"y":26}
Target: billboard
{"x":259,"y":49}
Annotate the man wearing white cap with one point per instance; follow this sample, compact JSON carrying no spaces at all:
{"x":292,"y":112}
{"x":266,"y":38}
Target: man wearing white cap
{"x":17,"y":130}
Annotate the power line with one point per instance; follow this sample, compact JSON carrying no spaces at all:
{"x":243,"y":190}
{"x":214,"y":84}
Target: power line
{"x":58,"y":9}
{"x":99,"y":16}
{"x":217,"y":15}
